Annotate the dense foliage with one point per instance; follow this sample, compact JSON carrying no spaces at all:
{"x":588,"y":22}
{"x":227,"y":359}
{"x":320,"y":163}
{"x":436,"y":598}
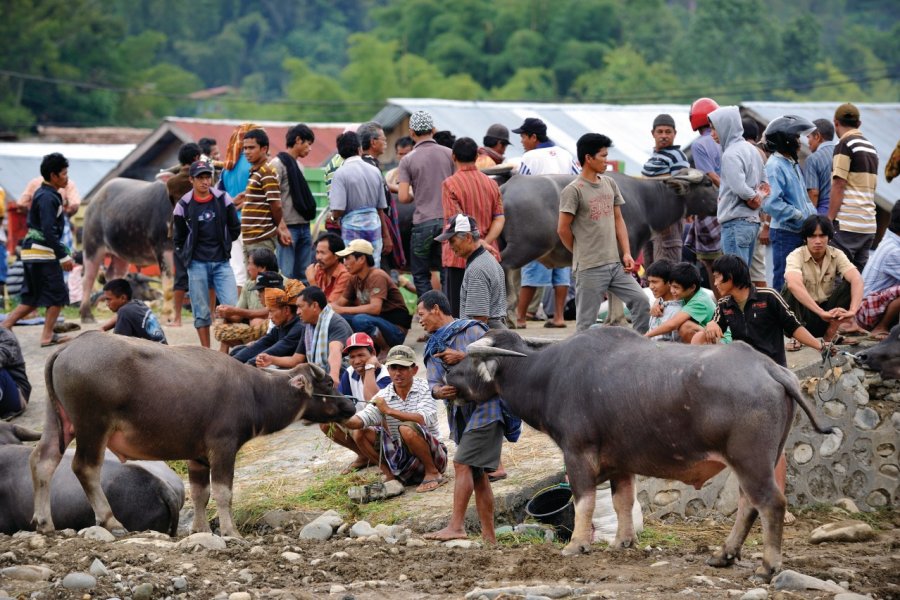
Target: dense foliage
{"x":129,"y":62}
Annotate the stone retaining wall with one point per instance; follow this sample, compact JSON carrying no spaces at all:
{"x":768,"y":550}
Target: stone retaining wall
{"x":859,"y":460}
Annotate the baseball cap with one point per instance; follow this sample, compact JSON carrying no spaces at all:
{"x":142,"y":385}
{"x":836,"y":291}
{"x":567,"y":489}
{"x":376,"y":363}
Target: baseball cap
{"x":400,"y":355}
{"x":847,"y":112}
{"x":532,"y":126}
{"x":458,"y":224}
{"x":421,"y":121}
{"x":357,"y":245}
{"x":200,"y":166}
{"x":498,"y":131}
{"x":359,"y":340}
{"x":269,"y":279}
{"x":663,"y":120}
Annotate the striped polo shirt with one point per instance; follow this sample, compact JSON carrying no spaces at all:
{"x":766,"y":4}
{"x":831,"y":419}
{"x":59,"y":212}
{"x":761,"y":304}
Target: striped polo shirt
{"x":257,"y":222}
{"x":469,"y":192}
{"x":664,"y":162}
{"x":483,"y":290}
{"x":856,"y":162}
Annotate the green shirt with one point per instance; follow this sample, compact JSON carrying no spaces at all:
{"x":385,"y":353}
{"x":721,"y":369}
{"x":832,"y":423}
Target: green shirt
{"x":700,"y":308}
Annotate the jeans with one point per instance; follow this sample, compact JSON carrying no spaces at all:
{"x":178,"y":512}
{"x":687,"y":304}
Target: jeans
{"x":739,"y":238}
{"x":425,"y":252}
{"x":203,"y":276}
{"x":783,"y":243}
{"x":293,"y":259}
{"x":372,"y":325}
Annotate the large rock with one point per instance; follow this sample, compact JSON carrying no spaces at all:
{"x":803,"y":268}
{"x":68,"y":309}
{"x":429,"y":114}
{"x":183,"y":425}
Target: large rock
{"x":204,"y":540}
{"x":317,"y":530}
{"x":97,"y":533}
{"x":27,"y":573}
{"x":362,"y":529}
{"x":756,"y":594}
{"x":792,"y":580}
{"x":79,"y":581}
{"x":842,"y":531}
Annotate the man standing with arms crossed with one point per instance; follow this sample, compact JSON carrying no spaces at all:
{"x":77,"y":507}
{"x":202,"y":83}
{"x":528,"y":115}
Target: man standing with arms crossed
{"x":260,"y":203}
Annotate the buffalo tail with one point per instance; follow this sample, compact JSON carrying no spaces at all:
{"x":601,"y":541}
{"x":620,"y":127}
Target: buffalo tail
{"x":53,"y":406}
{"x":792,"y":387}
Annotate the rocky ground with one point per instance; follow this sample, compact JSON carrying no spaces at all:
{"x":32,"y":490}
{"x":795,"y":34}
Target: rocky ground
{"x":274,"y":561}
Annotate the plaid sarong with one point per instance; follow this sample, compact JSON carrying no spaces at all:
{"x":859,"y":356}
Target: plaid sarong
{"x":873,"y":306}
{"x":403,"y":463}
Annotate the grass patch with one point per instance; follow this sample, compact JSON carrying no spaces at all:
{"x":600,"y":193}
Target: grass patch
{"x":179,"y":466}
{"x":654,"y":537}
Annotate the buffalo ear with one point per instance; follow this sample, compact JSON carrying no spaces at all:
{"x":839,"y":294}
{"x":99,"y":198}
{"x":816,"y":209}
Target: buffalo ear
{"x":302,"y":382}
{"x":680,"y":186}
{"x":487,"y":369}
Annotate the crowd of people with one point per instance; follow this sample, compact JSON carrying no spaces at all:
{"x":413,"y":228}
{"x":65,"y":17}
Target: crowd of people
{"x":274,"y":297}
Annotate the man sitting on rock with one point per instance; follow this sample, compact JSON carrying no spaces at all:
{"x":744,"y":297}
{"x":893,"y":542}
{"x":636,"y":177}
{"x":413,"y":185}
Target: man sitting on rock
{"x":398,"y":430}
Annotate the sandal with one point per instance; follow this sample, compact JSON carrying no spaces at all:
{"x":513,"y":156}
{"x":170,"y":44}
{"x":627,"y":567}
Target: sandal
{"x":878,"y":337}
{"x":55,"y":341}
{"x":793,"y":346}
{"x":843,"y":340}
{"x":429,"y":485}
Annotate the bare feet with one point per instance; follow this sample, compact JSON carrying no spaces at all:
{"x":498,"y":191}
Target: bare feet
{"x":446,"y":534}
{"x":789,"y":518}
{"x":175,"y":323}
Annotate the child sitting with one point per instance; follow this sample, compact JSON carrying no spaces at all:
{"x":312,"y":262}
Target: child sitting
{"x":133,"y":318}
{"x":665,"y":304}
{"x":698,"y":309}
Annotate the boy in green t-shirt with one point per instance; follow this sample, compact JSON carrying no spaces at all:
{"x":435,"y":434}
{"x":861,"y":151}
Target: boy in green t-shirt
{"x":698,"y":309}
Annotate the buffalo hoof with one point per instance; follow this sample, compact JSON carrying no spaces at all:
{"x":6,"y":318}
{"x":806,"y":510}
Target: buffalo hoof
{"x":575,"y":548}
{"x":45,"y":527}
{"x":762,"y":575}
{"x":721,"y":560}
{"x":624,"y":544}
{"x":88,"y":319}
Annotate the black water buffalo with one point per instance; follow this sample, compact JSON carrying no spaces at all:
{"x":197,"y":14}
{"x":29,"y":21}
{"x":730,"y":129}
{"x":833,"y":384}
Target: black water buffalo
{"x":690,"y":412}
{"x":884,"y":356}
{"x":146,"y":495}
{"x":130,"y":221}
{"x":531,"y":207}
{"x":147,"y":401}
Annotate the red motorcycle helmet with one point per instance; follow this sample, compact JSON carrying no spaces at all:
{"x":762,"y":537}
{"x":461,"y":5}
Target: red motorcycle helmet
{"x":700,"y":110}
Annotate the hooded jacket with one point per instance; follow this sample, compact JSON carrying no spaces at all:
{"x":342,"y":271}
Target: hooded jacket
{"x":742,"y":167}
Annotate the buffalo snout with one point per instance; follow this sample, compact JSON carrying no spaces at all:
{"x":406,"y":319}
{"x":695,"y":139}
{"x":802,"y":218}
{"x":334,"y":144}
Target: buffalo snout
{"x":884,"y":356}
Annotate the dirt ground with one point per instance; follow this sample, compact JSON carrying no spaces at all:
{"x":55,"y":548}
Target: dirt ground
{"x":670,"y":562}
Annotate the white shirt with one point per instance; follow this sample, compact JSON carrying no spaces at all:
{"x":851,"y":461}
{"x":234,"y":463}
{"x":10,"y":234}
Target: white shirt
{"x":419,"y":400}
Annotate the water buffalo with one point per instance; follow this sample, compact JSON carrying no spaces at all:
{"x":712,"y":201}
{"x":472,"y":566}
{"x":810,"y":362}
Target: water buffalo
{"x":146,"y":495}
{"x":884,"y":356}
{"x":130,"y":221}
{"x":146,"y":401}
{"x":531,"y":206}
{"x":690,"y":412}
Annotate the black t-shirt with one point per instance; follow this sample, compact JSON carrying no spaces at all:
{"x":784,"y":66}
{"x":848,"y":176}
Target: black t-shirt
{"x":338,"y":331}
{"x":761,"y":323}
{"x":135,"y":319}
{"x":209,"y":222}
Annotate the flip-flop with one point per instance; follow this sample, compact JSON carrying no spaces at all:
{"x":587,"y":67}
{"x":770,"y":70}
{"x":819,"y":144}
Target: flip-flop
{"x":495,"y":478}
{"x":793,"y":346}
{"x":552,"y":325}
{"x":878,"y":337}
{"x":429,"y":485}
{"x":56,"y":340}
{"x":843,"y":340}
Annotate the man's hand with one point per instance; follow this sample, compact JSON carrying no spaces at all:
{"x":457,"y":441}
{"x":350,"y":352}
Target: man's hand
{"x":284,"y":235}
{"x":263,"y":360}
{"x":656,"y":309}
{"x":450,"y":356}
{"x":490,"y":248}
{"x":628,"y":263}
{"x":445,"y":392}
{"x":713,"y":332}
{"x":223,"y":311}
{"x":380,"y":404}
{"x":239,"y":200}
{"x":67,"y":265}
{"x":764,"y":235}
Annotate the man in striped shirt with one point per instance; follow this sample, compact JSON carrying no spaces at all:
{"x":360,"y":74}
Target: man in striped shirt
{"x":260,"y":203}
{"x":666,"y":160}
{"x":470,"y":192}
{"x":854,"y":173}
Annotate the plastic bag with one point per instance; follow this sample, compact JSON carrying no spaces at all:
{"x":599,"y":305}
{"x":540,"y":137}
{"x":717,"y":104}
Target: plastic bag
{"x":604,"y":520}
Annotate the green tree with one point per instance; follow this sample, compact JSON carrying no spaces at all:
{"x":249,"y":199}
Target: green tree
{"x":626,"y":78}
{"x":531,"y":83}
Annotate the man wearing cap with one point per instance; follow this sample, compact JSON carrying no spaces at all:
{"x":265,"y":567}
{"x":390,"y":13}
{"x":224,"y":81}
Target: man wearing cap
{"x":424,"y":170}
{"x":357,"y":196}
{"x":178,"y":185}
{"x":495,"y":141}
{"x":854,"y":173}
{"x":328,"y":272}
{"x":322,"y":342}
{"x":483,"y":289}
{"x":248,"y":320}
{"x":360,"y":381}
{"x":398,"y":429}
{"x":206,"y":223}
{"x":282,"y":339}
{"x":543,"y":157}
{"x":666,"y":160}
{"x":470,"y":192}
{"x":372,"y":303}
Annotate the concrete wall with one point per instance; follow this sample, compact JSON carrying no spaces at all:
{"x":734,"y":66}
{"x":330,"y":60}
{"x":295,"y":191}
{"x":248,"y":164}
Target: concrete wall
{"x":860,"y":460}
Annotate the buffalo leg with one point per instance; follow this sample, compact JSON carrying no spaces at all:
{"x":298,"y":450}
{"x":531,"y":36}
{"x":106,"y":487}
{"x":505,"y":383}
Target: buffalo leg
{"x":86,"y":465}
{"x":117,"y":268}
{"x":222,"y":477}
{"x":91,"y":269}
{"x":198,"y":474}
{"x":44,"y":459}
{"x":623,"y":502}
{"x":168,"y":286}
{"x":743,"y":521}
{"x":583,"y":479}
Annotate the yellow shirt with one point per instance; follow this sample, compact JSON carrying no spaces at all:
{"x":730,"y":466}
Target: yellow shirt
{"x":818,"y":280}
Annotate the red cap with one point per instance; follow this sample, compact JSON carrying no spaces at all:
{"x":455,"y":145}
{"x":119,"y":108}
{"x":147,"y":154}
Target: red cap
{"x":359,"y":340}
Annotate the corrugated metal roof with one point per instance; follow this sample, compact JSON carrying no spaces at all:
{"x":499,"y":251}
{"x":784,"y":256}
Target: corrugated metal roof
{"x":628,"y":126}
{"x":880,"y":125}
{"x":88,"y":163}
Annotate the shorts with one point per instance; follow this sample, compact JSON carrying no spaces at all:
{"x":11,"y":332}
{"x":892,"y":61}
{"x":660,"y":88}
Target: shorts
{"x":44,"y":284}
{"x":534,"y":274}
{"x":480,"y":448}
{"x":404,"y":464}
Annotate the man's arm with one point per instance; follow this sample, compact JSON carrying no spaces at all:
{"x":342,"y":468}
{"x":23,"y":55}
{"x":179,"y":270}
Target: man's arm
{"x":813,"y":196}
{"x":673,"y":324}
{"x":264,"y":359}
{"x":404,"y":193}
{"x":335,"y":350}
{"x":622,"y":239}
{"x":794,"y":282}
{"x":372,"y":308}
{"x":564,"y":230}
{"x":838,"y":186}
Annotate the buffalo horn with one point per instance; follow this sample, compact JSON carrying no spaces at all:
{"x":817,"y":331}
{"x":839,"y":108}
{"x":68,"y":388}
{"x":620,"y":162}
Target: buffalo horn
{"x":318,"y":372}
{"x":689,"y":175}
{"x":536,"y":342}
{"x":488,"y":351}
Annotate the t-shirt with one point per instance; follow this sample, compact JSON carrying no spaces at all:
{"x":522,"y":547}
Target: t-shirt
{"x":426,"y":168}
{"x":594,"y":225}
{"x":483,"y":290}
{"x":257,"y":222}
{"x":548,"y":159}
{"x":338,"y":331}
{"x":856,"y":162}
{"x":135,"y":319}
{"x":670,"y":309}
{"x":665,"y":161}
{"x":762,"y":321}
{"x":208,"y":247}
{"x":701,"y":308}
{"x":378,"y":284}
{"x":818,"y":174}
{"x":418,"y":400}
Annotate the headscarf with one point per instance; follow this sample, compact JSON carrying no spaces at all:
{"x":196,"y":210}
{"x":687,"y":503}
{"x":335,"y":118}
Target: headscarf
{"x":236,"y":144}
{"x":276,"y":298}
